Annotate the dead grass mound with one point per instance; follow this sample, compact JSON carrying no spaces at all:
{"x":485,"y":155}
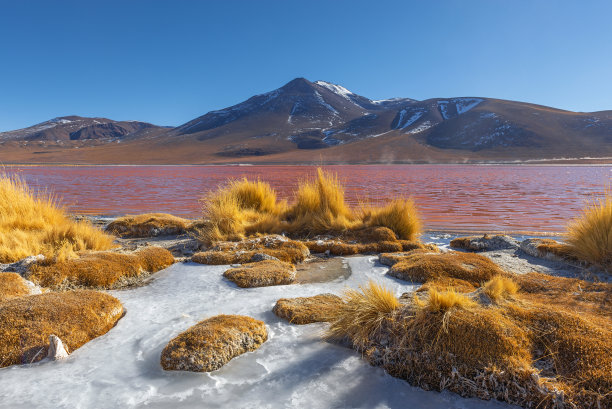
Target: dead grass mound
{"x":12,"y":285}
{"x":32,"y":223}
{"x":76,"y":317}
{"x":517,"y":349}
{"x":306,"y":310}
{"x":102,"y":270}
{"x":148,"y":225}
{"x":211,"y":343}
{"x":446,"y":284}
{"x":590,"y":235}
{"x":280,"y":247}
{"x":337,"y":247}
{"x":422,"y":267}
{"x":262,"y":274}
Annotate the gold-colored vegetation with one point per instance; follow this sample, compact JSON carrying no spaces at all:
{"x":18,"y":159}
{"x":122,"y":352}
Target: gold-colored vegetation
{"x":148,"y":225}
{"x":362,"y":313}
{"x":103,"y":270}
{"x":532,"y":349}
{"x":261,"y":274}
{"x":76,"y":317}
{"x":243,"y":252}
{"x":12,"y":285}
{"x":556,"y":248}
{"x":499,"y":288}
{"x":306,"y":310}
{"x":211,"y":343}
{"x":590,"y":235}
{"x":422,"y":267}
{"x":244,"y":208}
{"x":33,"y":223}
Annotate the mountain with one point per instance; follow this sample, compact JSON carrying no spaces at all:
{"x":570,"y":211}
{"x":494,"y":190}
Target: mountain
{"x":78,"y":128}
{"x":321,"y":122}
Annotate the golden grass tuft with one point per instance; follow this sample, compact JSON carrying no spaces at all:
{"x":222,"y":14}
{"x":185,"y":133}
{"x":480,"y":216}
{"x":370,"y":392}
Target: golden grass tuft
{"x":320,"y":207}
{"x":590,"y":235}
{"x":12,"y":285}
{"x":499,"y":288}
{"x":102,"y":270}
{"x":33,"y":224}
{"x":243,"y":208}
{"x":148,"y":225}
{"x":420,"y":266}
{"x":211,"y":343}
{"x":362,"y":314}
{"x":306,"y":310}
{"x":400,"y":216}
{"x":232,"y":253}
{"x":446,"y":300}
{"x":261,"y":274}
{"x":240,"y":206}
{"x":76,"y":317}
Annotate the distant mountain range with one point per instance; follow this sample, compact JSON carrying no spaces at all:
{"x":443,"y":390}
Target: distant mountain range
{"x":321,"y":122}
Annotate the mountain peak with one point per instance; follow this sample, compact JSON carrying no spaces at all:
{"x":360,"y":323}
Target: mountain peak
{"x":298,"y":85}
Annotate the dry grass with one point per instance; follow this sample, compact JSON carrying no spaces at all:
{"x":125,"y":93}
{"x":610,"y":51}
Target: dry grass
{"x":12,"y":285}
{"x":362,"y":313}
{"x":76,"y":317}
{"x":320,"y":207}
{"x":590,"y":235}
{"x":211,"y":343}
{"x":239,"y":207}
{"x":102,"y":270}
{"x":536,"y":349}
{"x":242,"y":252}
{"x":422,"y":267}
{"x":262,"y":274}
{"x":148,"y":225}
{"x":306,"y":310}
{"x":448,"y":284}
{"x":500,"y":288}
{"x":33,"y":224}
{"x":244,"y":208}
{"x":557,"y":249}
{"x":400,"y":216}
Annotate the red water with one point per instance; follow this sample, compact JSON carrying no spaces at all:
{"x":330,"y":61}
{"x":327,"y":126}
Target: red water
{"x":452,"y":197}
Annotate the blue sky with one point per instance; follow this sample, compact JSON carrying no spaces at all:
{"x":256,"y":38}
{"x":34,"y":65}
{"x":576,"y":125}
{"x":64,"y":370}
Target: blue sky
{"x":167,"y":62}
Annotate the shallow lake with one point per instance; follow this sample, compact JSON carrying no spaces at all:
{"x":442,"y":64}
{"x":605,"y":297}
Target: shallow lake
{"x":450,"y":197}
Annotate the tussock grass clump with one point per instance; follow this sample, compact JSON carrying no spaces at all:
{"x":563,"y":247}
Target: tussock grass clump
{"x":320,"y":207}
{"x":102,"y":270}
{"x":306,"y":310}
{"x":262,"y":274}
{"x":530,"y":351}
{"x":32,"y":224}
{"x":148,"y":225}
{"x":590,"y":235}
{"x":211,"y":343}
{"x":12,"y":285}
{"x":239,"y":207}
{"x":244,"y":208}
{"x":561,"y":250}
{"x":400,"y":216}
{"x":76,"y":317}
{"x":447,"y":284}
{"x":499,"y":288}
{"x":362,"y":313}
{"x":422,"y":267}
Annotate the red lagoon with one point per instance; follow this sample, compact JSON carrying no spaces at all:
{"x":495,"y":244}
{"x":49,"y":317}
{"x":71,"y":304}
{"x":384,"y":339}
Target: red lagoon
{"x":450,"y":197}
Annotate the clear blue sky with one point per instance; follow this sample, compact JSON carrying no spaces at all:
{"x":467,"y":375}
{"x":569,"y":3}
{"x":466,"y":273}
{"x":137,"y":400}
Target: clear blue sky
{"x":167,"y":62}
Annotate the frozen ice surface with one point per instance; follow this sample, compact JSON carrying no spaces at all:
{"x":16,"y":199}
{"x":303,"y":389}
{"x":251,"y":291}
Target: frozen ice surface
{"x":293,"y":369}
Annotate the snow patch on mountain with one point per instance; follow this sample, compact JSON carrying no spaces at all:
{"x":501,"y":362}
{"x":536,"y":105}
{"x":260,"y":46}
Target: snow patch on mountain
{"x":321,"y":101}
{"x":465,"y":104}
{"x":336,"y":89}
{"x":415,"y":115}
{"x":423,"y":127}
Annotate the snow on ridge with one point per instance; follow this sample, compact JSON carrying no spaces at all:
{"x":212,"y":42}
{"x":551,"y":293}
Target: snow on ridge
{"x":382,"y":101}
{"x":443,"y":106}
{"x":321,"y":101}
{"x":415,"y":117}
{"x":424,"y":126}
{"x":336,"y":89}
{"x":465,"y":104}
